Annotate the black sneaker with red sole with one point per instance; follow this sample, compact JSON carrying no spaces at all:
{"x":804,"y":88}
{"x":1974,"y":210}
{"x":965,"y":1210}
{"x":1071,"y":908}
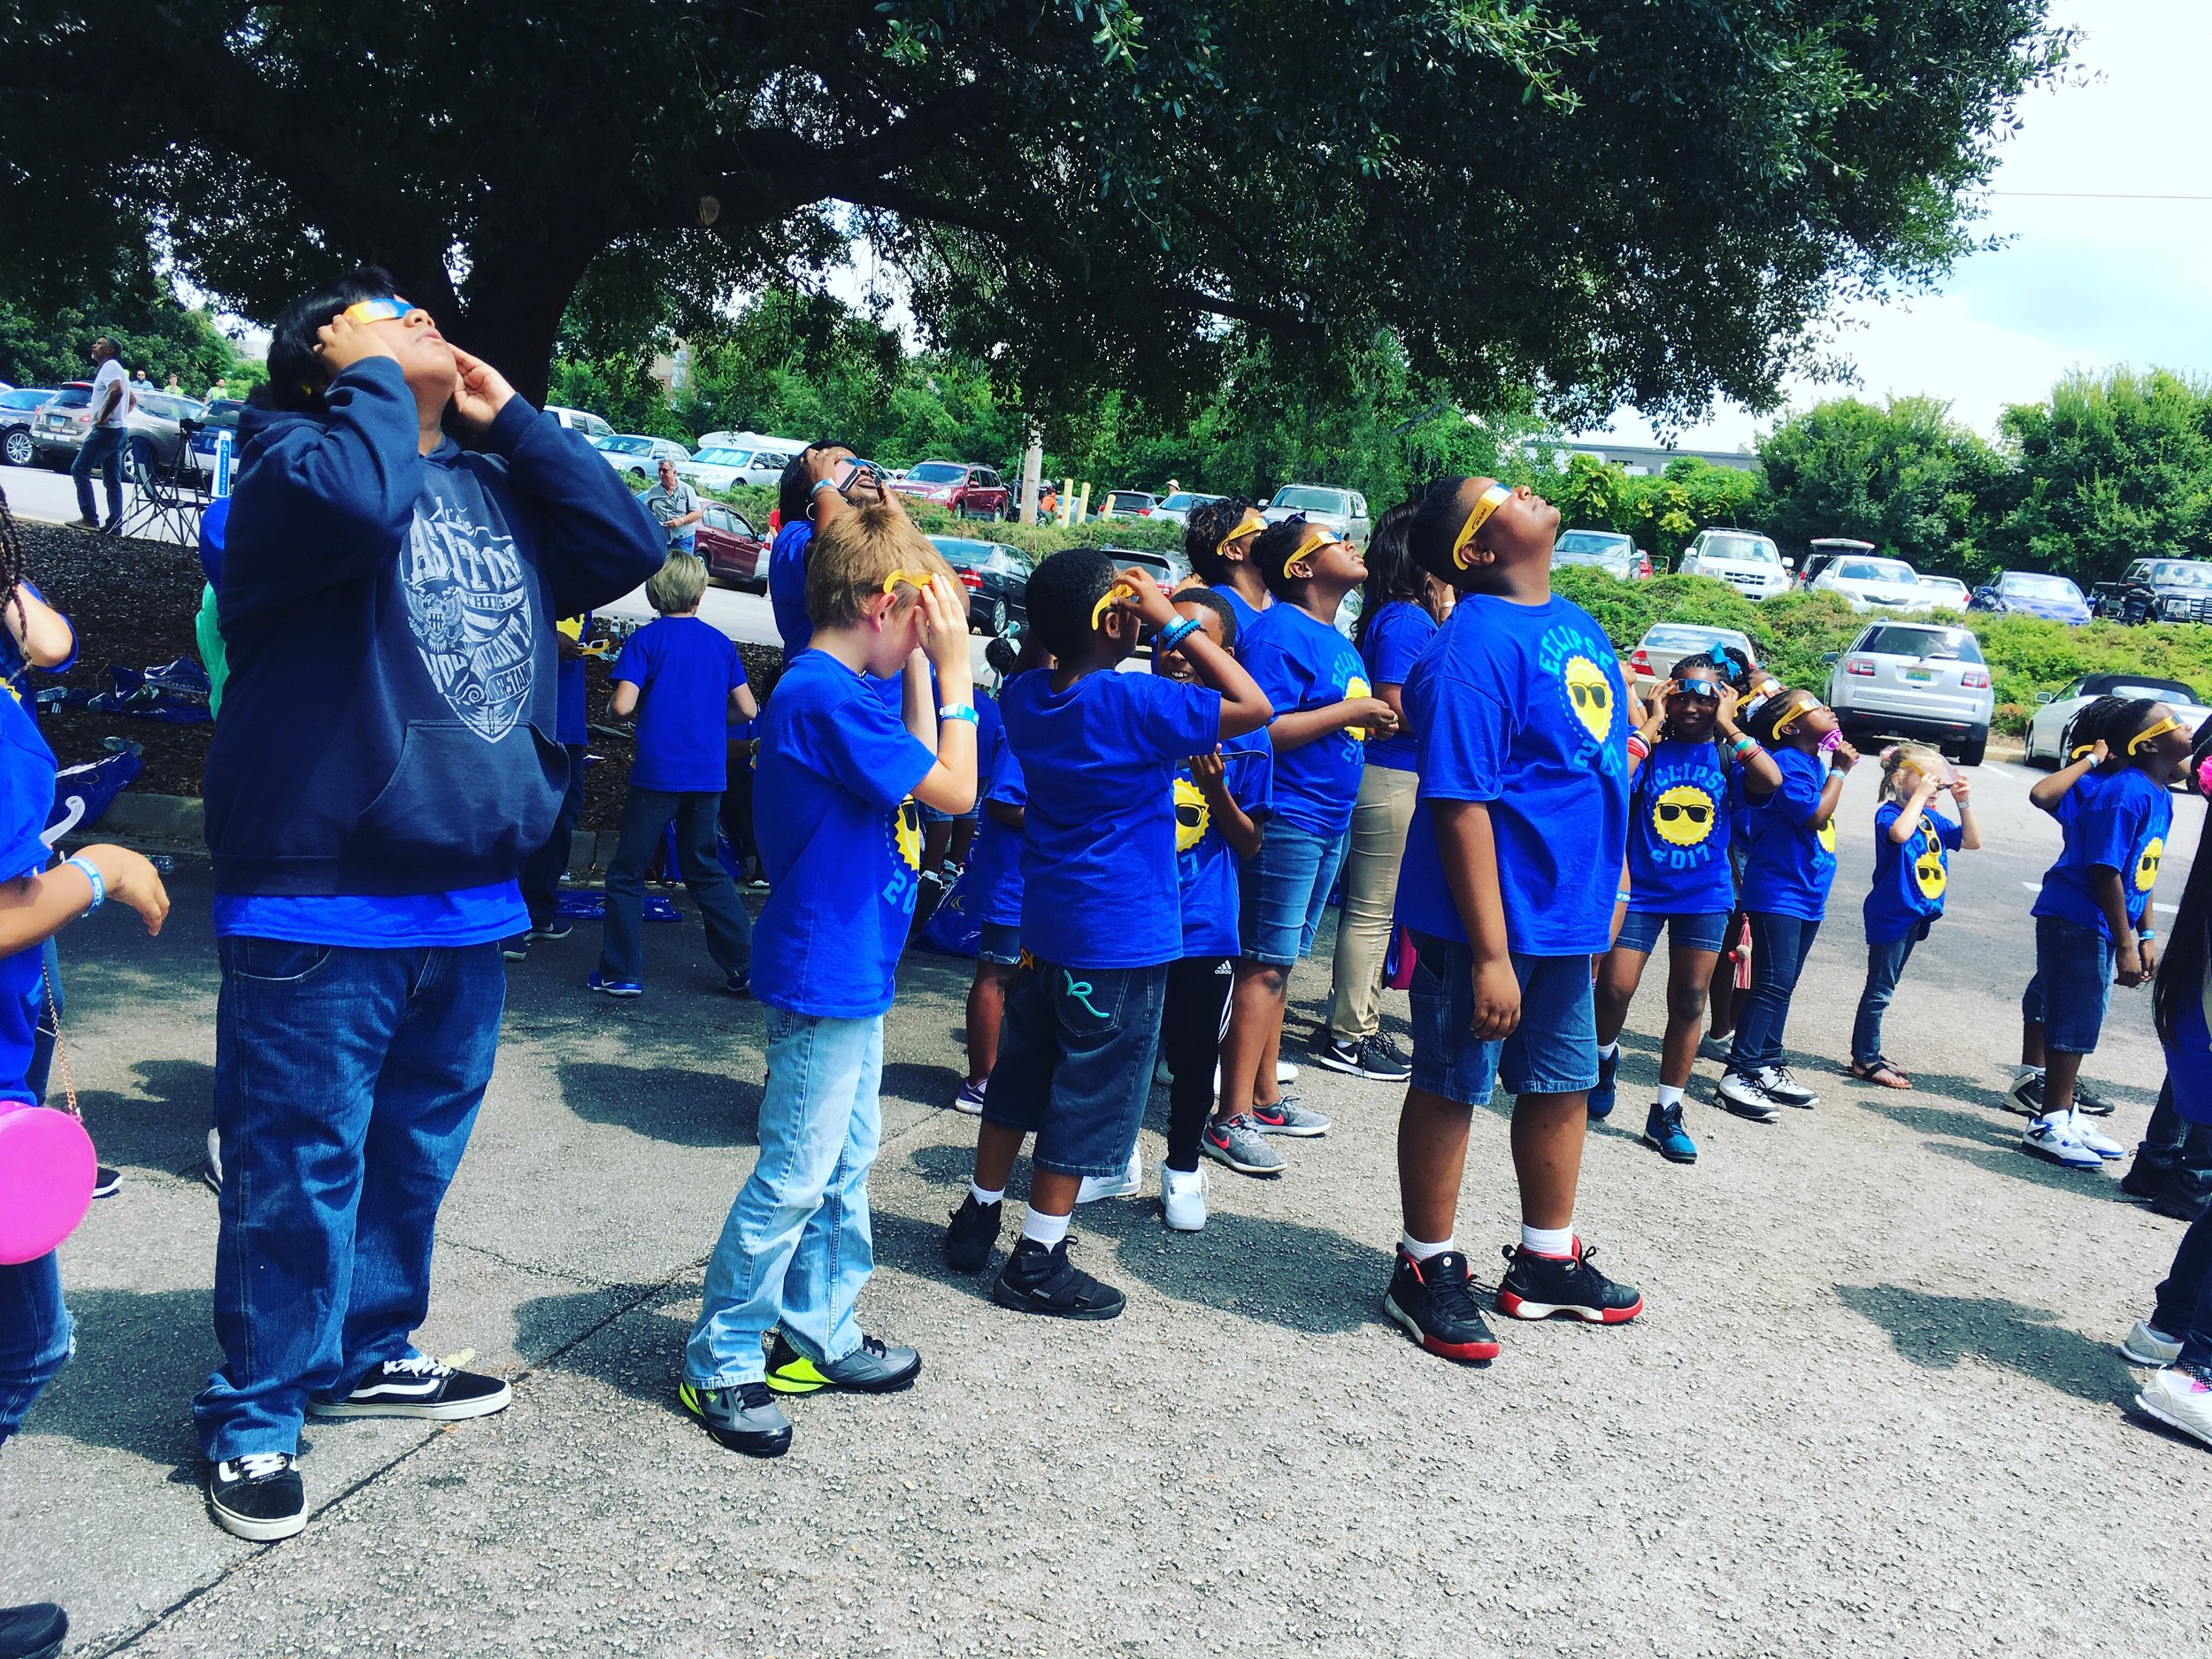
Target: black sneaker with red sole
{"x":1433,"y":1302}
{"x":1552,"y":1286}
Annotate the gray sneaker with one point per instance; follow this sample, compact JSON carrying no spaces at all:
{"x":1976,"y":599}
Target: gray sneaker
{"x":1287,"y":1116}
{"x":1239,"y":1144}
{"x":745,"y":1418}
{"x":873,"y":1368}
{"x":1720,"y":1049}
{"x":2087,"y":1100}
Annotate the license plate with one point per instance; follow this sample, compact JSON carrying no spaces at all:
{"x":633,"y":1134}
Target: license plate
{"x":1920,"y":676}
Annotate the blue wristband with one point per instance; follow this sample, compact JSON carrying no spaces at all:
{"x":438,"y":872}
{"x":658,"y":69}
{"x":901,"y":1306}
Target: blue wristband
{"x":958,"y":711}
{"x":92,"y":874}
{"x":1173,"y":637}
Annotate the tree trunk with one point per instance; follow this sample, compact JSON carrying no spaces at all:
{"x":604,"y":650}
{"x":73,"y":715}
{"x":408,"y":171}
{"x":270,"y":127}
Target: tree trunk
{"x":515,"y":299}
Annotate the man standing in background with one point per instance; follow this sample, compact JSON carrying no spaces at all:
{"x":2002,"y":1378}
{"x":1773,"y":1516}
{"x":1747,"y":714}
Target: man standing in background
{"x":675,"y":504}
{"x":104,"y":439}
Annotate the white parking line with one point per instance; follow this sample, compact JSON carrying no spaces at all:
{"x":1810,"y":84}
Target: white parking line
{"x":2037,"y":887}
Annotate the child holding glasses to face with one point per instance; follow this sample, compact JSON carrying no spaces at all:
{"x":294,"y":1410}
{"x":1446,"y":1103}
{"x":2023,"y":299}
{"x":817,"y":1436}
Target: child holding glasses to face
{"x":1686,"y":762}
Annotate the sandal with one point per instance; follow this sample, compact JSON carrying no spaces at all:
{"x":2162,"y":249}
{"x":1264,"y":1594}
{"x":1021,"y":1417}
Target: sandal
{"x":1881,"y":1072}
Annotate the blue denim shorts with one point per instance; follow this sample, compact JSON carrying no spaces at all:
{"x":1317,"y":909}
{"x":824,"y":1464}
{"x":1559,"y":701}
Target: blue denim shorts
{"x":1639,"y":931}
{"x":1282,"y":890}
{"x":2072,"y":986}
{"x":1075,"y":1063}
{"x":1553,"y":1050}
{"x":1001,"y":942}
{"x":931,"y":815}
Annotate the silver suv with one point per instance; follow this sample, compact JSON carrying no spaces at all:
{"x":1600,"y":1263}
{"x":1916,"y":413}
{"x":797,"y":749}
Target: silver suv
{"x":1747,"y":561}
{"x":1916,"y":680}
{"x":1343,"y":510}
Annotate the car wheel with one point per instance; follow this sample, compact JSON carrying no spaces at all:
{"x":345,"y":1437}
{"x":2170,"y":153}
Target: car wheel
{"x":1971,"y":751}
{"x":19,"y":449}
{"x":998,"y":617}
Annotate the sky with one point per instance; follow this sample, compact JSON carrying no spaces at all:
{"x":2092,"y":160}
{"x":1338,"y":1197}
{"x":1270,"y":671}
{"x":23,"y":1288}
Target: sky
{"x":2081,"y":280}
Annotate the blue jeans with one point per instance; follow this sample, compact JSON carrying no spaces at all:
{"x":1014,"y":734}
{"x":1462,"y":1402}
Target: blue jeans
{"x":1552,"y":1050}
{"x":1075,"y":1063}
{"x":36,"y":1336}
{"x":2184,"y":1299}
{"x":646,"y":814}
{"x":1779,"y":945}
{"x":798,"y":1245}
{"x":346,"y":1082}
{"x":2072,"y":985}
{"x":101,"y":445}
{"x":1885,"y":966}
{"x":1283,"y":890}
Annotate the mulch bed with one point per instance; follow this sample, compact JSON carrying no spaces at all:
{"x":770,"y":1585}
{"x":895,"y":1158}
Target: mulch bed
{"x":132,"y":603}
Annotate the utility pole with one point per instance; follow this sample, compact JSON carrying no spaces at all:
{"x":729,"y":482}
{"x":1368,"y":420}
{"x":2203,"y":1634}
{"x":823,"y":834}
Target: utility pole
{"x":1032,"y":474}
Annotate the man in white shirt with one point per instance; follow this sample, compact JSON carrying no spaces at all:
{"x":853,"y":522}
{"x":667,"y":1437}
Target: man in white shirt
{"x":104,"y":439}
{"x":676,"y":504}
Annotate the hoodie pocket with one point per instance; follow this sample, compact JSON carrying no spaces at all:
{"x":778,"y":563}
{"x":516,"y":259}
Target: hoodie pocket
{"x":455,"y":800}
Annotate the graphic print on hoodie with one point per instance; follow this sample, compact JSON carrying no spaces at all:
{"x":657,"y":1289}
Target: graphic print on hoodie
{"x":469,"y":604}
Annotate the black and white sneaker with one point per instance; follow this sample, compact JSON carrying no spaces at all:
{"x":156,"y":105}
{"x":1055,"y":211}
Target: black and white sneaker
{"x":1038,"y":1281}
{"x":1784,"y":1089}
{"x":36,"y":1632}
{"x":257,"y":1497}
{"x":1371,"y":1057}
{"x":1547,"y":1287}
{"x":745,"y":1417}
{"x":107,"y":1182}
{"x":2024,"y":1094}
{"x":1433,"y":1302}
{"x":2087,"y":1100}
{"x":418,"y":1387}
{"x":1742,"y":1093}
{"x":971,"y":1235}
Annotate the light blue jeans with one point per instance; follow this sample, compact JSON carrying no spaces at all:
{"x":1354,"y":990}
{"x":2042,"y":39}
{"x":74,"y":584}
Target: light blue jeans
{"x":797,"y":1247}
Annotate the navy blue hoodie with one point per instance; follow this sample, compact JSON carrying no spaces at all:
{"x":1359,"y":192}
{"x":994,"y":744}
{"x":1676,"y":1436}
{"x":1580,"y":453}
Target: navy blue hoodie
{"x":389,"y":722}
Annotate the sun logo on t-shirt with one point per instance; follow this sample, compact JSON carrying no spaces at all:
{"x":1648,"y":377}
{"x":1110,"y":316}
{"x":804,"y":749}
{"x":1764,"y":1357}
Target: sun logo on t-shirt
{"x":1192,"y":817}
{"x":1590,"y":694}
{"x":1927,"y":868}
{"x":2147,"y":865}
{"x":1827,"y":836}
{"x":909,"y":832}
{"x":1683,"y":815}
{"x":1356,"y":687}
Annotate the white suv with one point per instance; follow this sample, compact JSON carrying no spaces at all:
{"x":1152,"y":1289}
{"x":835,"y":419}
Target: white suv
{"x":1747,"y":561}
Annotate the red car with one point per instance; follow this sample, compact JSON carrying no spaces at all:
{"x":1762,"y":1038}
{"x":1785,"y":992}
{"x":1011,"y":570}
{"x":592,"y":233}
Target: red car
{"x":736,"y":554}
{"x":965,"y":489}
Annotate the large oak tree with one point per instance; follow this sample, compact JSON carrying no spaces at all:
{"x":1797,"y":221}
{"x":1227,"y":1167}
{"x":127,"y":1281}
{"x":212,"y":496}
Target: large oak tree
{"x":1600,"y":200}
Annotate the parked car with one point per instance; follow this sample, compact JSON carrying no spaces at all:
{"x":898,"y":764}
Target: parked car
{"x":1915,"y":680}
{"x":1873,"y":584}
{"x":638,"y":456}
{"x":1617,"y":555}
{"x":1747,"y":561}
{"x":57,"y":430}
{"x":1177,"y":508}
{"x":2157,"y":590}
{"x":1662,"y":646}
{"x":2032,"y":593}
{"x":19,"y":406}
{"x":580,"y":420}
{"x":2047,"y":732}
{"x":222,"y":416}
{"x":1343,"y":510}
{"x":1167,"y":565}
{"x":714,"y":467}
{"x":750,"y":440}
{"x":736,"y":554}
{"x":1125,"y":503}
{"x":1821,"y":551}
{"x":1949,"y":592}
{"x":961,"y":487}
{"x":997,"y":577}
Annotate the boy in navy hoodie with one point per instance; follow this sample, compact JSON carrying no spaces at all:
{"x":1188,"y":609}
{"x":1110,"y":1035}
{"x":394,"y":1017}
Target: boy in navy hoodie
{"x":386,"y":760}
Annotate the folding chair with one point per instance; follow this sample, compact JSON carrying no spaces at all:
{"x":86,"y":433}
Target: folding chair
{"x":165,"y":501}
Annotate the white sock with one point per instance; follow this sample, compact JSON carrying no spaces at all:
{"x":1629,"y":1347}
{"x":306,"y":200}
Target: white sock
{"x":2019,"y":1072}
{"x":1669,"y":1095}
{"x":1421,"y":1251}
{"x":985,"y":1199}
{"x":1548,"y":1240}
{"x":1047,"y":1230}
{"x":1611,"y":1050}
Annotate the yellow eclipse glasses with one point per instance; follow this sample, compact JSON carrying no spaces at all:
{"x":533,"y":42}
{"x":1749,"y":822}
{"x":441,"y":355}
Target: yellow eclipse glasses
{"x":1486,"y":503}
{"x":2155,"y":730}
{"x":916,"y":580}
{"x":389,"y":308}
{"x":1114,"y":591}
{"x":1316,"y":538}
{"x":1251,"y":524}
{"x":1797,"y":712}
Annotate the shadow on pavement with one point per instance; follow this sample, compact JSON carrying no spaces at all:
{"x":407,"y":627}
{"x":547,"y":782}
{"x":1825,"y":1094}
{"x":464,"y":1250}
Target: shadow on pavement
{"x":637,"y":1350}
{"x":921,"y":1085}
{"x":1936,"y":1332}
{"x":141,"y":1357}
{"x":162,"y":1126}
{"x":686,"y":1108}
{"x":2007,"y":1159}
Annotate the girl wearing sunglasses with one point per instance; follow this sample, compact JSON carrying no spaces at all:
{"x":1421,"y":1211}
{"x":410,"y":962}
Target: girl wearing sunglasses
{"x":1789,"y":864}
{"x":1688,"y":761}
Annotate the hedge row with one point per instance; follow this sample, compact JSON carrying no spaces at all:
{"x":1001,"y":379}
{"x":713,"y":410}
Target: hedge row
{"x":1792,"y":632}
{"x":755,"y":502}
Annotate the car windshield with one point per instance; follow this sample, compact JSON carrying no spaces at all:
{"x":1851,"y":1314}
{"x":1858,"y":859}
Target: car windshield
{"x":73,"y":397}
{"x":1299,"y":500}
{"x":1183,"y":501}
{"x":2026,"y":585}
{"x":2120,"y":686}
{"x":1874,"y":570}
{"x":1921,"y":644}
{"x":1129,"y":498}
{"x":723,"y":458}
{"x":1950,"y":583}
{"x":1592,"y":544}
{"x":2182,"y":574}
{"x":223,"y":414}
{"x":625,"y":446}
{"x":961,"y":552}
{"x":1681,"y":641}
{"x":938,"y":473}
{"x":1744,"y":549}
{"x":25,"y":398}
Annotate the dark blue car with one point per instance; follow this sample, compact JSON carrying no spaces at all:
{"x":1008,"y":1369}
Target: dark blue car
{"x":2032,"y":594}
{"x":222,"y":415}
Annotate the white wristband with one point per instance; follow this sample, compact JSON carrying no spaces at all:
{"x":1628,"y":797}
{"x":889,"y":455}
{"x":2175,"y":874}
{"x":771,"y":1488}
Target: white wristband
{"x":92,"y":874}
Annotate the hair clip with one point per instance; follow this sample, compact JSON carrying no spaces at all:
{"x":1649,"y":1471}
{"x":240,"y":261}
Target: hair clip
{"x":1486,"y":503}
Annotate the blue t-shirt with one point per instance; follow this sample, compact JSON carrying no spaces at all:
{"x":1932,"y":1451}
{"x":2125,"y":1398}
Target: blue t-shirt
{"x":2118,"y":822}
{"x":1395,"y":637}
{"x":1302,"y":663}
{"x":787,"y":587}
{"x":992,"y":884}
{"x":1521,"y":707}
{"x":1241,"y":608}
{"x":15,"y":668}
{"x":1205,"y":864}
{"x":1910,"y":876}
{"x":377,"y":921}
{"x":1788,"y":865}
{"x":571,"y":717}
{"x":1678,"y":823}
{"x":839,"y":849}
{"x":684,"y":670}
{"x":1098,"y":845}
{"x":27,"y":799}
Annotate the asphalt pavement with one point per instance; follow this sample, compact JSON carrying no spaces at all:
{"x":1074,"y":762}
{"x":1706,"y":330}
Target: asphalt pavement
{"x":1874,"y":1406}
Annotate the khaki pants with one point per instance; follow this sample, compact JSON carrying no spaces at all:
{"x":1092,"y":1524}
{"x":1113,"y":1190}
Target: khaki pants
{"x":1380,"y":817}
